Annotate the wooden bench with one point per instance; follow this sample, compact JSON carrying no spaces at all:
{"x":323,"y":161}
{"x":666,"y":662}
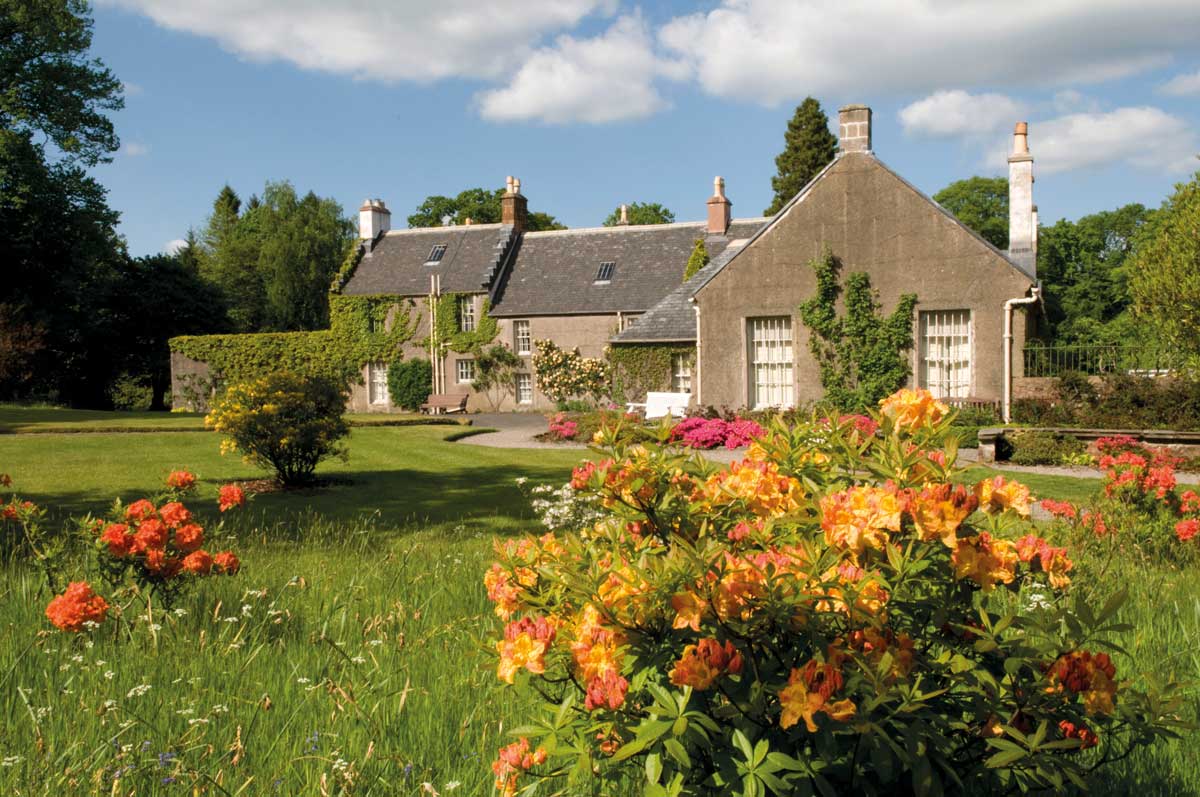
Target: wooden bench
{"x":660,"y":405}
{"x":445,"y":403}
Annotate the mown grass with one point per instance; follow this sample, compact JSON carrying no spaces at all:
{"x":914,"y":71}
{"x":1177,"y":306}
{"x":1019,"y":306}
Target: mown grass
{"x":350,"y":656}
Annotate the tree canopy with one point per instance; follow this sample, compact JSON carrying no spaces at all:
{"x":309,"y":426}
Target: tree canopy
{"x":477,"y":204}
{"x":981,"y":203}
{"x":641,"y":213}
{"x":808,"y":147}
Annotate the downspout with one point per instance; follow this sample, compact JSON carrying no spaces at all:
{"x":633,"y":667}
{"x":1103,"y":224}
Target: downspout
{"x":1035,"y":295}
{"x":696,"y":391}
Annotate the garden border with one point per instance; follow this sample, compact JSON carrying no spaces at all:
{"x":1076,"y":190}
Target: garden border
{"x":990,"y":436}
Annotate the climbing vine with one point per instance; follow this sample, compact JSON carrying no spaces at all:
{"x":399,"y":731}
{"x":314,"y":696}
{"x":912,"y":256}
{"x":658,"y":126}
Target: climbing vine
{"x":449,"y":325}
{"x":863,"y":356}
{"x":697,"y":260}
{"x":638,"y":368}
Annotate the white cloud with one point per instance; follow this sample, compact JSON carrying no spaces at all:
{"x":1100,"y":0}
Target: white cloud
{"x":607,"y":78}
{"x":174,"y":246}
{"x":134,"y":149}
{"x":957,"y":113}
{"x":1144,"y":137}
{"x":131,"y":89}
{"x":1182,"y":85}
{"x":771,"y":52}
{"x":387,"y":40}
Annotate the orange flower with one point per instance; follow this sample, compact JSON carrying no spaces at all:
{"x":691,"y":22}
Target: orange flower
{"x":513,"y":760}
{"x":174,"y":514}
{"x":230,"y":496}
{"x":860,"y":518}
{"x":227,"y":562}
{"x":938,"y":511}
{"x":139,"y":510}
{"x":116,"y":536}
{"x":606,"y":691}
{"x":1053,"y":560}
{"x":1089,"y":675}
{"x":808,"y":693}
{"x":690,"y":609}
{"x":151,"y":534}
{"x":998,"y":495}
{"x":501,"y":591}
{"x":189,"y":538}
{"x":764,"y":491}
{"x":181,"y":480}
{"x":1086,"y":736}
{"x":596,"y":647}
{"x":198,"y":562}
{"x":911,"y":409}
{"x":524,"y":645}
{"x":986,"y":560}
{"x":701,"y":664}
{"x":77,"y":606}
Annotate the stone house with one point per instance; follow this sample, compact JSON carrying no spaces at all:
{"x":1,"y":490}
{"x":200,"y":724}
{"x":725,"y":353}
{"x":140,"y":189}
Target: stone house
{"x":976,"y":304}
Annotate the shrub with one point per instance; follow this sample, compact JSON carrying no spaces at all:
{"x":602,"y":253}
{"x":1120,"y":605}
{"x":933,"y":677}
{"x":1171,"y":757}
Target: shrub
{"x":408,"y":383}
{"x":561,"y":428}
{"x":826,"y":615}
{"x":285,"y":422}
{"x":563,"y":375}
{"x":705,"y":433}
{"x":23,"y":535}
{"x":1120,"y":402}
{"x":1044,"y":448}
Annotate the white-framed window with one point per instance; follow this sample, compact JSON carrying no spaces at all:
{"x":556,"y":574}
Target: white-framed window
{"x":944,"y":348}
{"x":681,"y":372}
{"x":771,"y":357}
{"x":524,"y":388}
{"x":522,"y":341}
{"x":465,"y":371}
{"x":466,"y":313}
{"x":628,"y":320}
{"x":377,"y":388}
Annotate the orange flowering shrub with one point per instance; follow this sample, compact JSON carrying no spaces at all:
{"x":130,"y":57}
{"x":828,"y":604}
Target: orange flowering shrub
{"x":77,"y":608}
{"x":832,"y":614}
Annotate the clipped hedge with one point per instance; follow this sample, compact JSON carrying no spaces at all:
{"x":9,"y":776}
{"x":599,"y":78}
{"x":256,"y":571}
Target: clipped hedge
{"x":1118,"y":402}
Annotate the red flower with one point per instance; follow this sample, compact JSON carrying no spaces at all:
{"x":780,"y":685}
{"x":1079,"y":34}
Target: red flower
{"x":198,"y":562}
{"x":151,"y":535}
{"x":189,"y":538}
{"x":181,"y":480}
{"x":227,"y":562}
{"x":606,"y":690}
{"x":77,"y":606}
{"x":231,"y":495}
{"x":116,"y":536}
{"x":174,"y":514}
{"x":1187,"y":529}
{"x":139,"y":510}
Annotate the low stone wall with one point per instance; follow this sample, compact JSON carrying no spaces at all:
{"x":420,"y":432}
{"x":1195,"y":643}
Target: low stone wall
{"x":1042,"y":387}
{"x":1183,"y":444}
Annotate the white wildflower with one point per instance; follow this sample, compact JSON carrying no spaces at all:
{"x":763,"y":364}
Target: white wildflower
{"x":138,"y":691}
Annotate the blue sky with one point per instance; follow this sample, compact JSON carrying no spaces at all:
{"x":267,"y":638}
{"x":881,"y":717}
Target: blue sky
{"x":597,"y":102}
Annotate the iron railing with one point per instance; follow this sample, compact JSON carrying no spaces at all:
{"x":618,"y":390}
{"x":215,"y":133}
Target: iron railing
{"x":1097,"y":359}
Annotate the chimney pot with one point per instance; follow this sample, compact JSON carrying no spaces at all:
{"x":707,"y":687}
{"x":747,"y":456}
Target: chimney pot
{"x":719,"y":209}
{"x":854,"y":129}
{"x":1022,"y":213}
{"x":373,"y":219}
{"x":513,"y":206}
{"x":624,"y":219}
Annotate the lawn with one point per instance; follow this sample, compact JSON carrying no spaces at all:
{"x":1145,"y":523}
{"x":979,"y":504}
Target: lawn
{"x":350,"y":655}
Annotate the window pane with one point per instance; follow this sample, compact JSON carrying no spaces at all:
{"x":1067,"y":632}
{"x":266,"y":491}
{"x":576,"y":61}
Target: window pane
{"x":524,"y":388}
{"x":770,"y":359}
{"x":466,"y":313}
{"x":945,"y":351}
{"x":377,"y":388}
{"x":681,"y":373}
{"x":522,"y":342}
{"x":465,"y":370}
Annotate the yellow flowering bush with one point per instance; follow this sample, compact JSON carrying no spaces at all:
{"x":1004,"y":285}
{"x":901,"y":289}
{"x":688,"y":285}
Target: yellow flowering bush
{"x":286,"y":422}
{"x":835,"y":613}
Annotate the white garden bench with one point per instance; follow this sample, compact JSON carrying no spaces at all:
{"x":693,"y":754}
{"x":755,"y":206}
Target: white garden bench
{"x":660,"y":405}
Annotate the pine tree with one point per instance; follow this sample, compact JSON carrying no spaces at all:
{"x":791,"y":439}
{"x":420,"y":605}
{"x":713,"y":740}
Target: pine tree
{"x":697,"y":260}
{"x":808,"y":147}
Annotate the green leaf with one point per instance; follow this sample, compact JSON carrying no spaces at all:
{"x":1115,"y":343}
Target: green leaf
{"x":653,"y":768}
{"x":1005,"y":759}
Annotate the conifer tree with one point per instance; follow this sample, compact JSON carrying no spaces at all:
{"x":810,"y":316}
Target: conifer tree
{"x":808,"y":148}
{"x":697,"y":260}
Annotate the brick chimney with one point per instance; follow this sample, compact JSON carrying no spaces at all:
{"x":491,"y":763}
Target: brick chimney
{"x":854,"y":129}
{"x":719,"y":208}
{"x":1022,"y":227}
{"x":373,"y":218}
{"x":513,"y":205}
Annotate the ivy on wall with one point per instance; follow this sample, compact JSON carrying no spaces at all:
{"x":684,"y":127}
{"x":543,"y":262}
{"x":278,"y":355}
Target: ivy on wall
{"x":638,"y":368}
{"x":449,"y":325}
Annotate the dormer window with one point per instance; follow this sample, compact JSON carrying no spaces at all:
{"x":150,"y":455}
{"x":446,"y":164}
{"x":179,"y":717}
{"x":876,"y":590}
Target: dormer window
{"x":436,"y":254}
{"x":604,"y":274}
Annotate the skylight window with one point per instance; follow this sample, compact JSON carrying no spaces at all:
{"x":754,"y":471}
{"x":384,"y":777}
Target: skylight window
{"x":435,"y":254}
{"x":605,"y":272}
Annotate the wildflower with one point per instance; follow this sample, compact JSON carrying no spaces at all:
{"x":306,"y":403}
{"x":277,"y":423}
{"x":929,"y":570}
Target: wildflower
{"x":76,"y":606}
{"x":227,"y":562}
{"x":230,"y":496}
{"x":137,"y":691}
{"x":181,"y":480}
{"x":808,"y":693}
{"x":701,"y":664}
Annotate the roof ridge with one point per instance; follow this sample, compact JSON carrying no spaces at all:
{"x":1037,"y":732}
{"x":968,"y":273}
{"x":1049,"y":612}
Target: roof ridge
{"x":452,"y":227}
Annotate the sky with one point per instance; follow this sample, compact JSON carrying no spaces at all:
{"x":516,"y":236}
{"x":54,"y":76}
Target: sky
{"x":592,"y":103}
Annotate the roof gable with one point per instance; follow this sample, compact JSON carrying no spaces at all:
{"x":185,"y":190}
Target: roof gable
{"x":399,"y":262}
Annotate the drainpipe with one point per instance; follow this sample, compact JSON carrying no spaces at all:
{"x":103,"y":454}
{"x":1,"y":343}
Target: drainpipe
{"x":1035,"y":295}
{"x":696,"y":387}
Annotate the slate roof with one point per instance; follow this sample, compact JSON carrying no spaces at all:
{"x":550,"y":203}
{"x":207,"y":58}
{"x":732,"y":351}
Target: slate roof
{"x":396,"y":264}
{"x":554,"y":272}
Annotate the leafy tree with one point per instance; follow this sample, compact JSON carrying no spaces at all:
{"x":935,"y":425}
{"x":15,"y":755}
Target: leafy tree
{"x":642,"y":213}
{"x":477,"y":204}
{"x":51,"y":87}
{"x":697,"y":260}
{"x":496,"y":368}
{"x":808,"y":147}
{"x":862,"y":355}
{"x":1164,"y":271}
{"x":409,"y":383}
{"x":981,"y":203}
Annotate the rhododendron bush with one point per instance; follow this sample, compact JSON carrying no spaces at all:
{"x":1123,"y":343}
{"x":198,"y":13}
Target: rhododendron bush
{"x":697,"y":432}
{"x":832,"y":614}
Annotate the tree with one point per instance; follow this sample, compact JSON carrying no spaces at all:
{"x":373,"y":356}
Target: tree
{"x":808,"y":147}
{"x":496,"y":368}
{"x":981,"y":203}
{"x":697,"y":260}
{"x":862,"y":355}
{"x":50,"y":85}
{"x":1164,"y":271}
{"x":642,"y":213}
{"x":477,"y":204}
